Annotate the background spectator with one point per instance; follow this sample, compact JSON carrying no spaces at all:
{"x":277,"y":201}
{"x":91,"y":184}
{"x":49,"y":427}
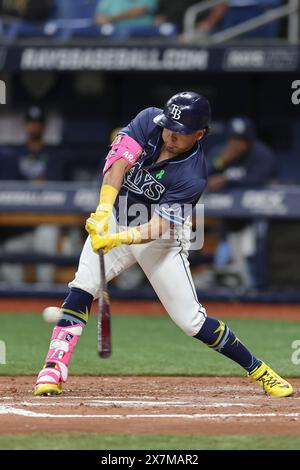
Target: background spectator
{"x":172,"y":12}
{"x":31,"y":10}
{"x":244,"y":162}
{"x":126,"y":13}
{"x":210,"y":21}
{"x":32,"y":162}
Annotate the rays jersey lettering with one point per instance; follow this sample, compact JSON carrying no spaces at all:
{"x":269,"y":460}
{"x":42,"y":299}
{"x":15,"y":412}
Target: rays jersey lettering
{"x":140,"y":181}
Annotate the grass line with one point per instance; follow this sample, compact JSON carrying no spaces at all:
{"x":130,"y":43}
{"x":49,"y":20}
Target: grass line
{"x":147,"y":345}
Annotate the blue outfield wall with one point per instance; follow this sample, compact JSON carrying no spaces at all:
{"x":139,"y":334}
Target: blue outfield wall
{"x":272,"y":202}
{"x":264,"y":205}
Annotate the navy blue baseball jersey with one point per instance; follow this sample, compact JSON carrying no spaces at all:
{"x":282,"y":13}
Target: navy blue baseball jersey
{"x":171,"y":188}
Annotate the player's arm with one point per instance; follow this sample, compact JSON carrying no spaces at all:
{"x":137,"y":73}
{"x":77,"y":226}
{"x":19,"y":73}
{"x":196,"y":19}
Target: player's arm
{"x":154,"y":229}
{"x":98,"y":221}
{"x":145,"y":233}
{"x":114,"y":176}
{"x":167,"y":215}
{"x":125,"y":151}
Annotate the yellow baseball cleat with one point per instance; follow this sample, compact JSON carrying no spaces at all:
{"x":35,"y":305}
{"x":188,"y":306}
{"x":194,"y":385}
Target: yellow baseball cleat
{"x":49,"y":381}
{"x":271,"y":382}
{"x":44,"y":390}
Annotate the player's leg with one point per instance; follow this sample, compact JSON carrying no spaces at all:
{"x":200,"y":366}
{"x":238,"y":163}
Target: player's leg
{"x":76,"y":307}
{"x":169,"y":273}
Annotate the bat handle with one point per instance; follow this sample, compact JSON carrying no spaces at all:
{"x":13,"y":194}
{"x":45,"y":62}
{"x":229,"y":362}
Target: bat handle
{"x":104,"y":327}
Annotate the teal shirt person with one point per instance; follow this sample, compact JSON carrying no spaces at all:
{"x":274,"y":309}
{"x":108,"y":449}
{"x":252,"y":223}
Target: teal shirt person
{"x":112,"y":8}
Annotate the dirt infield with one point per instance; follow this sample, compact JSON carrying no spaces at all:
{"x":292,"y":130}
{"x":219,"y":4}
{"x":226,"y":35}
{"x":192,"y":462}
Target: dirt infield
{"x":171,"y":405}
{"x":156,"y":405}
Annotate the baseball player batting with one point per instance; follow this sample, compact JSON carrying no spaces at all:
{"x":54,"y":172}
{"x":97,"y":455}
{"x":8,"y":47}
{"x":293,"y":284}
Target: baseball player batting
{"x":156,"y":162}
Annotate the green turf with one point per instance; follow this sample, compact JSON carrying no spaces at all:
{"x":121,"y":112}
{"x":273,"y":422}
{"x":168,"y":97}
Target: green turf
{"x":91,"y":441}
{"x":146,"y":345}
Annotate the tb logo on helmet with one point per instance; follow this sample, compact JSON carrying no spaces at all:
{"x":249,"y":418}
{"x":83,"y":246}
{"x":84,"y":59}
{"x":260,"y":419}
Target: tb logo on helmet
{"x":175,"y":111}
{"x":185,"y":113}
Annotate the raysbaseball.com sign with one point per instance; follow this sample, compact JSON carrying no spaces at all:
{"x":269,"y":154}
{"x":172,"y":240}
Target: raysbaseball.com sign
{"x":2,"y":92}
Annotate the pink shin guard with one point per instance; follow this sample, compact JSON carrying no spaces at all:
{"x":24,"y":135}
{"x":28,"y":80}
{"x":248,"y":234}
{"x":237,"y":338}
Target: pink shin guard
{"x":63,"y":341}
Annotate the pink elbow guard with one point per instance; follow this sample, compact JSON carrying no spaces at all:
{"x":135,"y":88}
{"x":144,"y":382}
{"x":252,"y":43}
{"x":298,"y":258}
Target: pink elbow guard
{"x":123,"y":147}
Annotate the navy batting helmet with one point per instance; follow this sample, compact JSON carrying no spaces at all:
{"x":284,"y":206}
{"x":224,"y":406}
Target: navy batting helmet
{"x":185,"y":113}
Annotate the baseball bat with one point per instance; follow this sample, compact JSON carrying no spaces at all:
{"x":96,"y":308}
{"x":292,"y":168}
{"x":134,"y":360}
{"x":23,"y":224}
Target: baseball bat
{"x":104,"y":326}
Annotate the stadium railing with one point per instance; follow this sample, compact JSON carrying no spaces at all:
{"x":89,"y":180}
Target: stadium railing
{"x":190,"y":32}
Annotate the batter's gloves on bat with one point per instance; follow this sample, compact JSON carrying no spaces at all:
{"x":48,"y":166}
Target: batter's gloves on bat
{"x":108,"y":242}
{"x":97,"y":223}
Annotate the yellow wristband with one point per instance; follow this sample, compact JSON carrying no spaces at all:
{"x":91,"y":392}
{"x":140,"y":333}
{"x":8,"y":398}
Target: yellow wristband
{"x":108,"y":195}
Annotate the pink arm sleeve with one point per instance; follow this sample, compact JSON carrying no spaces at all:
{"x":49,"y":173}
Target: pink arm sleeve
{"x":123,"y":147}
